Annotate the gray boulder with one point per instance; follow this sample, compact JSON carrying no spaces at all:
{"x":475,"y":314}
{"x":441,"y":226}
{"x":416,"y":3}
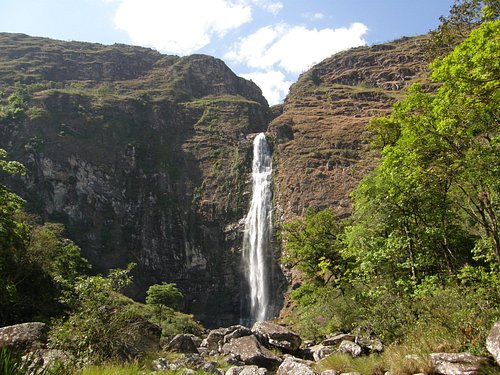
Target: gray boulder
{"x":182,"y":344}
{"x":351,"y":348}
{"x":278,"y":336}
{"x":493,"y":342}
{"x":337,"y":339}
{"x":24,"y":337}
{"x":321,"y":351}
{"x":246,"y":370}
{"x":214,"y":339}
{"x":295,"y":366}
{"x":456,"y":363}
{"x":330,"y":372}
{"x":240,"y":331}
{"x":248,"y":350}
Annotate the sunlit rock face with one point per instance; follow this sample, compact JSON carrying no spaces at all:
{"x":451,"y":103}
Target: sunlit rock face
{"x":322,"y":147}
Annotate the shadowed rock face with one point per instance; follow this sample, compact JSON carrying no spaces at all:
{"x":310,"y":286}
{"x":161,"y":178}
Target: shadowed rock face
{"x":321,"y":150}
{"x":145,"y":158}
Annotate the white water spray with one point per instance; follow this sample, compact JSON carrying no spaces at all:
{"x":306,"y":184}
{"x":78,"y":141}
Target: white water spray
{"x":256,"y":240}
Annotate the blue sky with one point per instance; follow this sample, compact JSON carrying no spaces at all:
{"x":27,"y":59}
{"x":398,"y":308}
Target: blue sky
{"x":268,"y":41}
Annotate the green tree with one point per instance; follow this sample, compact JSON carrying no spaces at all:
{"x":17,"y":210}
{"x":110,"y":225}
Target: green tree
{"x":312,"y":244}
{"x":437,"y":188}
{"x":99,"y":324}
{"x":464,"y":16}
{"x":163,"y":296}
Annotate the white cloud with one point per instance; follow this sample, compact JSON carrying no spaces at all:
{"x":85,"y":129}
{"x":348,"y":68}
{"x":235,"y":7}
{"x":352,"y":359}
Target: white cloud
{"x":179,"y":26}
{"x":269,"y":5}
{"x":294,"y":49}
{"x":273,"y":84}
{"x":313,"y":16}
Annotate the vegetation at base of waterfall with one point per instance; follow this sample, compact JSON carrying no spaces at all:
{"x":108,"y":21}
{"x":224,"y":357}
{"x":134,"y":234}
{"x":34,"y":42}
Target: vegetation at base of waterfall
{"x":418,"y":263}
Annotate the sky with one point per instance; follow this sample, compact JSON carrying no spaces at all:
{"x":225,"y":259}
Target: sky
{"x":268,"y":41}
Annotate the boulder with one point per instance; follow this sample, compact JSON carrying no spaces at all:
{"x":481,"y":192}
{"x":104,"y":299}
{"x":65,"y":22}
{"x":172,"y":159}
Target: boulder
{"x":330,"y":372}
{"x":248,"y":350}
{"x":246,"y":370}
{"x":337,"y":339}
{"x":240,"y":331}
{"x":456,"y":363}
{"x":24,"y":337}
{"x":142,"y":337}
{"x":351,"y":348}
{"x":493,"y":342}
{"x":217,"y":337}
{"x":369,"y":342}
{"x":214,"y":339}
{"x":321,"y":351}
{"x":278,"y":336}
{"x":182,"y":344}
{"x":210,"y":368}
{"x":295,"y":366}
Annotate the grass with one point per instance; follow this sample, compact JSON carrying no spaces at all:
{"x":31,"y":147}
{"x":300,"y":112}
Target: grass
{"x":367,"y":365}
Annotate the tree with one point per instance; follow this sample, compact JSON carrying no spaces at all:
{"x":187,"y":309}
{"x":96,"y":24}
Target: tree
{"x":165,"y":295}
{"x":437,"y":188}
{"x":465,"y":15}
{"x":313,"y":245}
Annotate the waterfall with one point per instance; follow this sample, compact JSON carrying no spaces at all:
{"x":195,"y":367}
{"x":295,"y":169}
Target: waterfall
{"x":256,"y":240}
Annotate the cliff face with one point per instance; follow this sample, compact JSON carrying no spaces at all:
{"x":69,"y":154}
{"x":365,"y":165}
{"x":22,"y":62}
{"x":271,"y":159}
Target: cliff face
{"x":322,"y":147}
{"x":145,"y":158}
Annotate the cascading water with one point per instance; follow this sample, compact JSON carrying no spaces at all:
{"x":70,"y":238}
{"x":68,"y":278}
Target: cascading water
{"x":257,"y":236}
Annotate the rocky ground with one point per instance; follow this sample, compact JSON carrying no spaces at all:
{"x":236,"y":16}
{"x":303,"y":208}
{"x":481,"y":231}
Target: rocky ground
{"x":266,"y":348}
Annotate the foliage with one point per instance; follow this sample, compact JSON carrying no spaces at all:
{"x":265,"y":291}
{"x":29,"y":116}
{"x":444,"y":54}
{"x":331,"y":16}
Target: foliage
{"x":101,"y":323}
{"x":465,"y":15}
{"x":312,"y":245}
{"x":424,"y":231}
{"x":163,"y":296}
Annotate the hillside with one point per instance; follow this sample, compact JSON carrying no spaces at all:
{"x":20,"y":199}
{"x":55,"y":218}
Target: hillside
{"x":322,"y":146}
{"x":146,"y":158}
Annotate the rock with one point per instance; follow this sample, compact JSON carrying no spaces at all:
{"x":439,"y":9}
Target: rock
{"x":248,"y":350}
{"x":278,"y":336}
{"x":493,"y":342}
{"x":246,"y":370}
{"x":182,"y":344}
{"x":143,"y":337}
{"x":330,"y":372}
{"x":215,"y":339}
{"x":161,"y":364}
{"x":368,"y":341}
{"x":196,"y":340}
{"x":211,"y":368}
{"x":351,"y":348}
{"x":321,"y":351}
{"x":240,"y":331}
{"x":295,"y":366}
{"x":337,"y":339}
{"x":24,"y":337}
{"x":456,"y":363}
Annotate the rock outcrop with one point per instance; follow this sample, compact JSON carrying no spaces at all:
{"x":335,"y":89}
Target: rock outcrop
{"x":145,"y":158}
{"x":24,"y":337}
{"x":321,"y":148}
{"x":493,"y":342}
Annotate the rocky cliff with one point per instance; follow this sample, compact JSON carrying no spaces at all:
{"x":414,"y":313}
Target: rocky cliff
{"x":322,"y":148}
{"x":146,"y":158}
